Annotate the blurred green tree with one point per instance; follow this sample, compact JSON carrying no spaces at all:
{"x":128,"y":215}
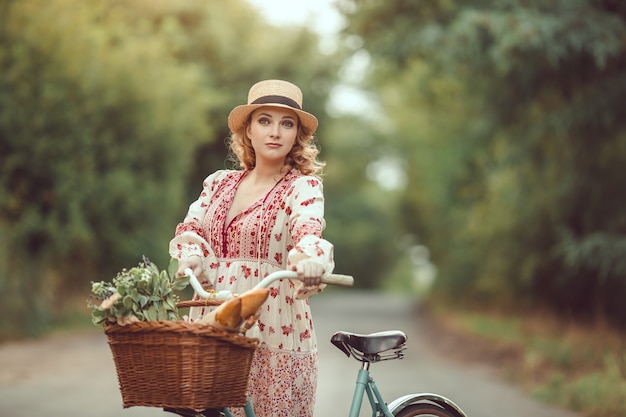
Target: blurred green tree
{"x":96,"y":121}
{"x":359,"y":212}
{"x":511,"y":114}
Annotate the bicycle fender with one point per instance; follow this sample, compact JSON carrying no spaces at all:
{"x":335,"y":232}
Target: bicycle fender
{"x":399,"y":403}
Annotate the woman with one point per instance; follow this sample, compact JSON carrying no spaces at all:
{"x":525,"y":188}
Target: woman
{"x":266,"y":216}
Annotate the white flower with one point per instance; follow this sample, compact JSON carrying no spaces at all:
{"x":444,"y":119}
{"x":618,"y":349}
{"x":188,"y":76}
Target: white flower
{"x":106,"y":304}
{"x":122,"y":321}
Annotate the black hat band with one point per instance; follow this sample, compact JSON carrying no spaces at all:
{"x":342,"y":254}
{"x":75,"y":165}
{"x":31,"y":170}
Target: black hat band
{"x":277,"y":100}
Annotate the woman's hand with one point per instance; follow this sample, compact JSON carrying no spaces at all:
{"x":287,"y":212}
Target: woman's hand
{"x":194,"y":262}
{"x":310,"y":273}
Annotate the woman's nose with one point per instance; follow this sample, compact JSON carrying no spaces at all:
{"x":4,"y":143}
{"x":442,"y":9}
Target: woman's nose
{"x":275,"y":130}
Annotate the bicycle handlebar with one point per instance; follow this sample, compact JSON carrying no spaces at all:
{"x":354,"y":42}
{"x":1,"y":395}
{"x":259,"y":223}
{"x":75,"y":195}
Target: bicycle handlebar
{"x":334,"y":279}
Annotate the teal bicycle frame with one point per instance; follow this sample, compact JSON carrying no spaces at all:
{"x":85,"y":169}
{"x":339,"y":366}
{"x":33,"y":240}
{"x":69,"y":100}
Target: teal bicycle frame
{"x":365,"y":383}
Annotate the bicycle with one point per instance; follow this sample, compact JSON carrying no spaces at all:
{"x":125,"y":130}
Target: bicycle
{"x":367,"y":349}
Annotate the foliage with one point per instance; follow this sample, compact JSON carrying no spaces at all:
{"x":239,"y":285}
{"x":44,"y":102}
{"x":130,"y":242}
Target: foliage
{"x":96,"y":122}
{"x":574,"y":366}
{"x":142,"y":293}
{"x":358,"y":212}
{"x":598,"y":394}
{"x":515,"y":107}
{"x":78,"y":104}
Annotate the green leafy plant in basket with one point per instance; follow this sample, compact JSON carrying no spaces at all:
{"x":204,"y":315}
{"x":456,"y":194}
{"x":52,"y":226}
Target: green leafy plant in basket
{"x":142,"y":293}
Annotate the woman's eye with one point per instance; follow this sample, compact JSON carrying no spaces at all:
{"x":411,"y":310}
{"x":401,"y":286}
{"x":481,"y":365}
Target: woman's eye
{"x":288,"y":123}
{"x":264,"y":120}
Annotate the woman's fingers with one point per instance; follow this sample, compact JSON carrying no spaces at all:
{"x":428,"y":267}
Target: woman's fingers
{"x":310,"y":272}
{"x":193,"y":262}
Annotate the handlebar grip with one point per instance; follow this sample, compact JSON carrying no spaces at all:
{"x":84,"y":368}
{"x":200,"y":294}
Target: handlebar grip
{"x":339,"y":279}
{"x":334,"y":279}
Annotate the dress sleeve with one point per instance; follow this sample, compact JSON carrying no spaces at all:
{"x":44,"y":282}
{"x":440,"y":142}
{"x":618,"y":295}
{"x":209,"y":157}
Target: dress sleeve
{"x":306,"y":226}
{"x":189,"y":238}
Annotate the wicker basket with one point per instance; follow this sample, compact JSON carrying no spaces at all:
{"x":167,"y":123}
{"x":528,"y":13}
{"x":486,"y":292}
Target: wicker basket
{"x":180,"y":365}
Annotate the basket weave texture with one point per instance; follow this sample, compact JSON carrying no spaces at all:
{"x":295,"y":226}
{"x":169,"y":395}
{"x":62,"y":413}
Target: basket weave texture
{"x":180,"y":365}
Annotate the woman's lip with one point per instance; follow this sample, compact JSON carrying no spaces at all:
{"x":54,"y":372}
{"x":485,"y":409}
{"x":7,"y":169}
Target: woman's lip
{"x":274,"y":145}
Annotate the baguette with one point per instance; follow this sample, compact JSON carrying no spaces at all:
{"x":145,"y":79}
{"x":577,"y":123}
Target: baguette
{"x":251,"y":301}
{"x":227,"y":316}
{"x":230,"y":314}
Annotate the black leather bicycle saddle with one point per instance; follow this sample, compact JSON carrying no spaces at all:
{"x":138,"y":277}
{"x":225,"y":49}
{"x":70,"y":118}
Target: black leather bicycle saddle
{"x":370,"y":344}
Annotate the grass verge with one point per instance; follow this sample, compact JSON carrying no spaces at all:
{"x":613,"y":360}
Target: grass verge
{"x":580,"y":367}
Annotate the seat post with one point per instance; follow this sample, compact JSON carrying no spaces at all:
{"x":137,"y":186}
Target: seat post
{"x":362,"y":380}
{"x":365,"y":366}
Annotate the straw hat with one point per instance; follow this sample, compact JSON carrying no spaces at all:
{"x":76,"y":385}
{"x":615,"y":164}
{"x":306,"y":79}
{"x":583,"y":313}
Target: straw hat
{"x":273,"y":93}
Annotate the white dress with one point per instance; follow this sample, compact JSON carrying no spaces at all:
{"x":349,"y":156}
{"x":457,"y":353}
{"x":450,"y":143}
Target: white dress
{"x":274,"y":233}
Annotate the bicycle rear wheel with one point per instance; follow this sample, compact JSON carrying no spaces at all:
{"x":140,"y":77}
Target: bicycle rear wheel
{"x":425,"y":410}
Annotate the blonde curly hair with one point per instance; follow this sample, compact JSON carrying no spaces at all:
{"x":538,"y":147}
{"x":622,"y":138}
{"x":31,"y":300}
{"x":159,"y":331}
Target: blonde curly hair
{"x":303,"y":155}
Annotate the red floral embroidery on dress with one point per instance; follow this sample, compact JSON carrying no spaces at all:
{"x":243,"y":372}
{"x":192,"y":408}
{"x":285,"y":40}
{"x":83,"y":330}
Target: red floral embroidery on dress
{"x":289,"y":300}
{"x":246,"y":271}
{"x":314,"y":229}
{"x":287,"y":330}
{"x":278,"y":257}
{"x":308,"y":202}
{"x":312,"y":182}
{"x":272,"y":370}
{"x":274,"y":292}
{"x":189,"y":227}
{"x":305,"y":335}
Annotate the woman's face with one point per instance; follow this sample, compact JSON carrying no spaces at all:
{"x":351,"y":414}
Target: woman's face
{"x":273,"y":132}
